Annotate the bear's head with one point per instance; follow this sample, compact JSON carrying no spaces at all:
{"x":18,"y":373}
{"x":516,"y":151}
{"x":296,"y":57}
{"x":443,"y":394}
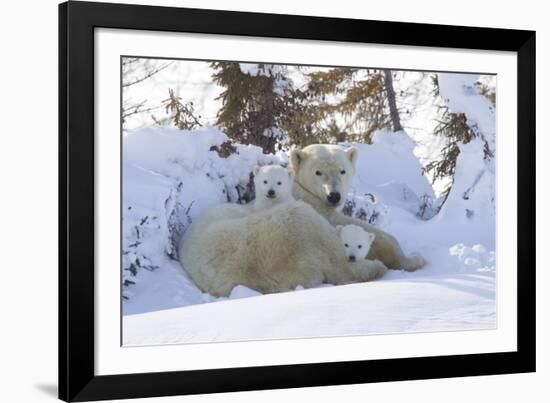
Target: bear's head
{"x":325,"y":171}
{"x":356,"y":240}
{"x":273,"y":182}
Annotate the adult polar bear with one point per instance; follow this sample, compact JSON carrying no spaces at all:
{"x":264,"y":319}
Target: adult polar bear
{"x":294,"y":243}
{"x":269,"y":251}
{"x":322,"y":176}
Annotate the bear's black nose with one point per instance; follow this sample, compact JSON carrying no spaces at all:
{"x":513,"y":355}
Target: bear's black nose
{"x":352,"y":258}
{"x":333,"y":198}
{"x":270,"y":193}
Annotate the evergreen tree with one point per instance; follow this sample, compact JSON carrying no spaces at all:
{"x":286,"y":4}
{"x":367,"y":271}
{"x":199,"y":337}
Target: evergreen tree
{"x":254,"y":102}
{"x":181,"y":114}
{"x":363,"y":98}
{"x":457,"y":129}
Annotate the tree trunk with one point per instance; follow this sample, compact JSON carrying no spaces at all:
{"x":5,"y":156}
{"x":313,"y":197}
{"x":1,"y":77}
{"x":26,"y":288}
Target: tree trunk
{"x":394,"y":114}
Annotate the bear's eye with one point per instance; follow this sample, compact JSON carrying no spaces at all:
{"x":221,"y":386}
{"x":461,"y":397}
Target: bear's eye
{"x":343,"y":172}
{"x":279,"y":183}
{"x":359,"y":246}
{"x":346,"y":245}
{"x":318,"y":173}
{"x":265,"y":182}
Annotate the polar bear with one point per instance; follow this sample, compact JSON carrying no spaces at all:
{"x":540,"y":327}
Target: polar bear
{"x":273,"y":185}
{"x":322,"y":177}
{"x":356,"y":240}
{"x":273,"y":250}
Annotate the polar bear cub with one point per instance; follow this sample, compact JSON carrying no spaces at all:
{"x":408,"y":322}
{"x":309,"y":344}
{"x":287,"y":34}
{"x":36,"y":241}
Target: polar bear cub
{"x":356,"y":240}
{"x":273,"y":185}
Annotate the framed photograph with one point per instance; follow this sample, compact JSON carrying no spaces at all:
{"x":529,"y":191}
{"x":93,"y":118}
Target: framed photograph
{"x":258,"y":201}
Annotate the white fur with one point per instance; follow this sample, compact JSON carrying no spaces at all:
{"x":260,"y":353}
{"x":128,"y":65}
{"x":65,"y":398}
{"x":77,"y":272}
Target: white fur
{"x":356,"y":240}
{"x":292,"y":243}
{"x":273,"y":185}
{"x":272,"y":250}
{"x":322,"y":169}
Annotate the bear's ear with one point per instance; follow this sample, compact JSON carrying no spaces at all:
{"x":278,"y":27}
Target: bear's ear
{"x":352,"y":154}
{"x":372,"y":236}
{"x":256,"y":170}
{"x":339,"y":229}
{"x":290,"y":174}
{"x":296,"y":159}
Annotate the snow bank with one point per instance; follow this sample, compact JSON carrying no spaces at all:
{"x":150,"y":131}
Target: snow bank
{"x":393,"y":306}
{"x":172,"y":176}
{"x":472,"y":197}
{"x":390,"y":159}
{"x":144,"y":231}
{"x":182,"y":154}
{"x":388,"y":170}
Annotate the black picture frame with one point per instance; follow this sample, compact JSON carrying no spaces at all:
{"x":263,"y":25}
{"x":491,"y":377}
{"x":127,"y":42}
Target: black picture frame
{"x":77,"y":21}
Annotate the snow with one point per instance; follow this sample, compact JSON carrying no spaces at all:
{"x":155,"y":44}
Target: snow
{"x":394,"y":152}
{"x":241,"y":291}
{"x":171,"y":176}
{"x":269,"y":70}
{"x":255,"y":69}
{"x":461,"y":95}
{"x":470,"y":206}
{"x":391,"y":306}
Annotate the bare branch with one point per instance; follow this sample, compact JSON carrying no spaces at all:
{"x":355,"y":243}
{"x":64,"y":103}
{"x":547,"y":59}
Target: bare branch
{"x":138,"y":108}
{"x":146,"y":76}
